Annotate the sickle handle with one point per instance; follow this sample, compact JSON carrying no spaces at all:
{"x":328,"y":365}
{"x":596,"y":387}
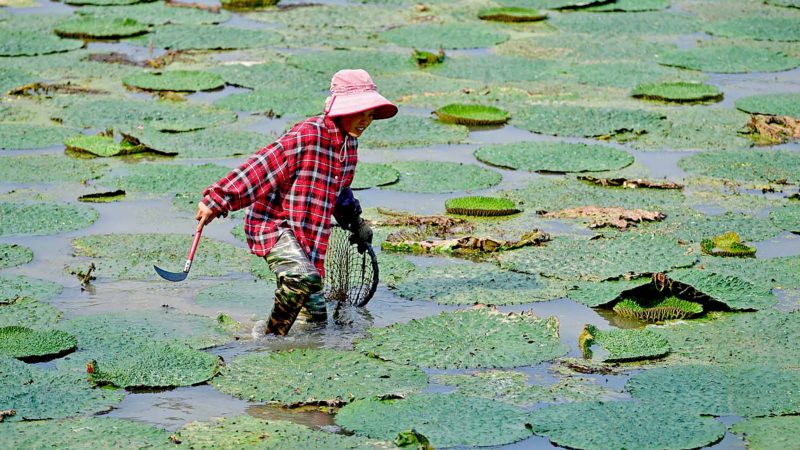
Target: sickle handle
{"x":190,"y":256}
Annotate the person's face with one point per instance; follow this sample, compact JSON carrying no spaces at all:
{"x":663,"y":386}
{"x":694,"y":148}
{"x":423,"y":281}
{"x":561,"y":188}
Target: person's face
{"x":355,"y":124}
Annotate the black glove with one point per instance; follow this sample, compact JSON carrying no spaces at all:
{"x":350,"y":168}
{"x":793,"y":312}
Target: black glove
{"x":362,"y":235}
{"x":347,"y":210}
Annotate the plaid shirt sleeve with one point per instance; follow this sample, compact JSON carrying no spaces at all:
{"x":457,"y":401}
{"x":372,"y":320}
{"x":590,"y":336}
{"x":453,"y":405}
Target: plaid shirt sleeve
{"x":266,"y":171}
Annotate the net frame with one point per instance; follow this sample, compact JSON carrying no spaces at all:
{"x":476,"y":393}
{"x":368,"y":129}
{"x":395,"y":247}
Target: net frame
{"x":350,"y":277}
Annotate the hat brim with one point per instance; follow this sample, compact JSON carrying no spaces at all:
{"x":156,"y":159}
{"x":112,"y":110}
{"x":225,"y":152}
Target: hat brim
{"x":346,"y":104}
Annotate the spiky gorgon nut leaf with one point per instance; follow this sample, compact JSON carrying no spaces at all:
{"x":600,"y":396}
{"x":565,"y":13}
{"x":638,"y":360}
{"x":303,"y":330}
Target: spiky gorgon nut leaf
{"x":19,"y":136}
{"x":14,"y":255}
{"x":27,"y":344}
{"x":769,"y":433}
{"x":623,"y":345}
{"x":100,"y":146}
{"x":481,"y":206}
{"x":474,"y":338}
{"x":99,"y":27}
{"x":729,"y":59}
{"x":466,"y":114}
{"x":447,"y":420}
{"x":371,"y":175}
{"x":678,"y":92}
{"x":174,"y":80}
{"x":657,"y":310}
{"x":554,"y":157}
{"x":728,"y":244}
{"x":511,"y":14}
{"x":299,"y":377}
{"x":80,"y":432}
{"x":786,"y":104}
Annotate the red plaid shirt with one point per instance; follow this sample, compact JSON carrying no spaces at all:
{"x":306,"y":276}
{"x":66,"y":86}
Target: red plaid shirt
{"x":293,"y":181}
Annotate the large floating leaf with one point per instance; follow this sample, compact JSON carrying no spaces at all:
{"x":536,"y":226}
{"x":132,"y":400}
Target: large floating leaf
{"x":126,"y":113}
{"x":554,"y":156}
{"x":564,"y":120}
{"x":442,"y":177}
{"x":247,"y":431}
{"x":739,"y":390}
{"x":635,"y":23}
{"x":787,"y":217}
{"x":474,"y":338}
{"x":765,"y":337}
{"x":599,"y":294}
{"x":206,"y":143}
{"x":316,"y":377}
{"x":99,"y":27}
{"x":735,"y":292}
{"x":599,"y":259}
{"x":132,"y":256}
{"x":697,"y":127}
{"x":11,"y":78}
{"x":24,"y":219}
{"x":255,"y":297}
{"x":729,"y":59}
{"x":625,"y":425}
{"x":21,"y":342}
{"x":373,"y":61}
{"x":317,"y":18}
{"x":759,"y":28}
{"x":679,"y":92}
{"x":371,"y":175}
{"x":278,"y":101}
{"x":47,"y":169}
{"x":693,"y":226}
{"x":24,"y":135}
{"x":769,"y":433}
{"x":785,"y":104}
{"x":163,"y":178}
{"x":630,"y":6}
{"x":25,"y":43}
{"x":47,"y":394}
{"x":452,"y":36}
{"x":158,"y":13}
{"x":481,"y":206}
{"x":14,"y":255}
{"x":447,"y":420}
{"x":75,"y":433}
{"x":626,"y":74}
{"x":29,"y":313}
{"x":99,"y":145}
{"x":467,"y":284}
{"x":16,"y":287}
{"x":412,"y":131}
{"x":272,"y":74}
{"x":746,"y":165}
{"x":174,"y":80}
{"x":623,"y":345}
{"x":495,"y":69}
{"x":207,"y":37}
{"x":104,"y":2}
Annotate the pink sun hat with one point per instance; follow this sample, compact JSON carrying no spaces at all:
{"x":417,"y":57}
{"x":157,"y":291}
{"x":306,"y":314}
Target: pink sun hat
{"x":352,"y":91}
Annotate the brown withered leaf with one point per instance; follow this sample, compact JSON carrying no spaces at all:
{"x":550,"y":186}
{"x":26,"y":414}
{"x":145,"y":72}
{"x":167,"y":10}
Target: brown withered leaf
{"x":410,"y":242}
{"x":631,"y":184}
{"x":605,"y":216}
{"x":772,"y":130}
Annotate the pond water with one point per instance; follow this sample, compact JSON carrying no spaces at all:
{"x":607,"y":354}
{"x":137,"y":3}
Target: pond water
{"x":173,"y":408}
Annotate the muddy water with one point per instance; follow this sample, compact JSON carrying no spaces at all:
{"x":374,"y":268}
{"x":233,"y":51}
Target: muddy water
{"x":172,"y":409}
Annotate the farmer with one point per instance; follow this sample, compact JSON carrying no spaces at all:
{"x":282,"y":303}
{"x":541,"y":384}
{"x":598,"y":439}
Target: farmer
{"x":292,"y":187}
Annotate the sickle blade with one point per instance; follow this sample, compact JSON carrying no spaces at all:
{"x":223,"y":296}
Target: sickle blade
{"x":170,"y":276}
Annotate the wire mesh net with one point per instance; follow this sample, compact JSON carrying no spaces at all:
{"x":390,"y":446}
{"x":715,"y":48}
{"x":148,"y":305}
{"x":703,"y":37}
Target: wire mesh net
{"x":350,"y":277}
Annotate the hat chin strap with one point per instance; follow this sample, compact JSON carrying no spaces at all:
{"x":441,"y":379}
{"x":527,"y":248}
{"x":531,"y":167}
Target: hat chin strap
{"x":329,"y":104}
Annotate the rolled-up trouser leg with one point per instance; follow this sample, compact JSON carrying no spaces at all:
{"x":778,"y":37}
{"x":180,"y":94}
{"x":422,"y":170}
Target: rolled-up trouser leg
{"x":299,"y":285}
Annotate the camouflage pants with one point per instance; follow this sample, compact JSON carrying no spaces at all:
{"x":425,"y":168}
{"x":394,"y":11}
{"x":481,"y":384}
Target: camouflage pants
{"x":299,"y":285}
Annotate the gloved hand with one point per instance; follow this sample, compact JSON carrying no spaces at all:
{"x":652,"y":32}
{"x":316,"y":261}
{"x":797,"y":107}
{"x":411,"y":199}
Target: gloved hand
{"x":347,"y":210}
{"x":362,"y":235}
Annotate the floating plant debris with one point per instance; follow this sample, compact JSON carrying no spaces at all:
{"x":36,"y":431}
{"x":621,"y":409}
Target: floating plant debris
{"x":600,"y":217}
{"x":103,"y":197}
{"x":773,"y":130}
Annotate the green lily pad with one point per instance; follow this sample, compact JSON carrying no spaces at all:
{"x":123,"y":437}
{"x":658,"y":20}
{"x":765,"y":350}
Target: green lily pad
{"x":277,"y":101}
{"x":255,"y":297}
{"x":372,"y":175}
{"x":25,"y":343}
{"x":729,"y":59}
{"x":553,"y":4}
{"x":465,"y":114}
{"x":727,"y":244}
{"x":206,"y":143}
{"x":48,"y":169}
{"x":13,"y":288}
{"x":599,"y":259}
{"x":99,"y":27}
{"x":598,"y":294}
{"x":625,"y":425}
{"x":623,"y":345}
{"x":479,"y":337}
{"x":481,"y":206}
{"x":14,"y":255}
{"x":131,"y":256}
{"x":272,"y":74}
{"x":103,"y":146}
{"x":14,"y":42}
{"x":735,"y":292}
{"x":174,"y":80}
{"x":316,"y":377}
{"x":11,"y":78}
{"x":746,"y":165}
{"x":103,"y":197}
{"x":373,"y":61}
{"x":693,"y":226}
{"x":679,"y":92}
{"x":394,"y":267}
{"x":739,"y":390}
{"x":775,"y":104}
{"x":560,"y":157}
{"x":153,"y":364}
{"x":565,"y":120}
{"x":787,"y":217}
{"x":157,"y":13}
{"x":758,"y":28}
{"x":468,"y":284}
{"x":442,"y":177}
{"x":630,"y":6}
{"x":495,"y":69}
{"x":657,"y":309}
{"x":25,"y":219}
{"x":126,"y":113}
{"x":785,"y":3}
{"x":29,"y":313}
{"x":625,"y":74}
{"x":453,"y":36}
{"x":447,"y":420}
{"x":697,"y":127}
{"x":75,"y":433}
{"x":765,"y":337}
{"x":411,"y":131}
{"x":640,"y":23}
{"x":24,"y":135}
{"x":769,"y":273}
{"x":511,"y":14}
{"x":769,"y":433}
{"x":246,"y":431}
{"x":163,"y":178}
{"x":104,"y":2}
{"x":207,"y":37}
{"x":47,"y":394}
